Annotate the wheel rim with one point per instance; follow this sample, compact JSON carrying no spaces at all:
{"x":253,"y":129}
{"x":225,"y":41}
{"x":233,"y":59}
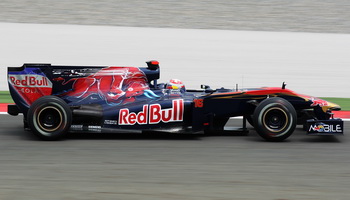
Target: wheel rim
{"x":275,"y":119}
{"x":49,"y":119}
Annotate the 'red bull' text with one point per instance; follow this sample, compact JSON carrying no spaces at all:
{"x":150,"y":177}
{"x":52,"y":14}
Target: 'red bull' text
{"x":153,"y":114}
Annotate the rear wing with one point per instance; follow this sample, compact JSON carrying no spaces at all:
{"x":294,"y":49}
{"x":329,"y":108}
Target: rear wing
{"x":32,"y":81}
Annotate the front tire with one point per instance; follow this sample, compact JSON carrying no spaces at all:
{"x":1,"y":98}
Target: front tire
{"x":275,"y":119}
{"x":49,"y":118}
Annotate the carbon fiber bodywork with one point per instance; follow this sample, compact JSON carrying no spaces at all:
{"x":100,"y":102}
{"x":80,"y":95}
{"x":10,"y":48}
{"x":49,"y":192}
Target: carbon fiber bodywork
{"x":130,"y":98}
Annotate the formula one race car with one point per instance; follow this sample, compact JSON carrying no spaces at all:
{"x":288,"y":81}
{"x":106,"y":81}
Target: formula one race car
{"x":57,"y":99}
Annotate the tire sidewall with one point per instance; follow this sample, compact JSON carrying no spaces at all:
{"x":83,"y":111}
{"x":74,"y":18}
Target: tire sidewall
{"x":58,"y":105}
{"x":284,"y":107}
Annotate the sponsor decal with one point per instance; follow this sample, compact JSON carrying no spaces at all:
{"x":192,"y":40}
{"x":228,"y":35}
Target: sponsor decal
{"x":30,"y":86}
{"x":153,"y":114}
{"x":326,"y":128}
{"x":111,"y":122}
{"x":30,"y":80}
{"x":77,"y":127}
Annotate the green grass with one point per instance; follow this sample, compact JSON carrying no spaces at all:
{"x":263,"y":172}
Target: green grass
{"x":5,"y":97}
{"x":344,"y":103}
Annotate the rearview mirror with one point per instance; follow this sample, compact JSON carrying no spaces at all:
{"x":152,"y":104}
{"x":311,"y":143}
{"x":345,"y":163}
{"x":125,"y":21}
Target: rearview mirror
{"x":205,"y":86}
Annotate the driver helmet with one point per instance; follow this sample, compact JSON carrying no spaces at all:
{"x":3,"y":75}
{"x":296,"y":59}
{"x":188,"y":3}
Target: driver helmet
{"x":175,"y":86}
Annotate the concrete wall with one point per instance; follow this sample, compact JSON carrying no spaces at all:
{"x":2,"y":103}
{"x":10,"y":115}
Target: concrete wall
{"x":311,"y":63}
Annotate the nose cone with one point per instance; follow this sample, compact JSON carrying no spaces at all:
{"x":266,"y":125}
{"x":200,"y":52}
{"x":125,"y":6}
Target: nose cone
{"x":325,"y":105}
{"x":331,"y":106}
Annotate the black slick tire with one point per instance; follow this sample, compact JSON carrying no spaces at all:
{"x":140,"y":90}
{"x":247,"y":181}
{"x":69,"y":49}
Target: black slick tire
{"x":275,"y":119}
{"x":49,"y":118}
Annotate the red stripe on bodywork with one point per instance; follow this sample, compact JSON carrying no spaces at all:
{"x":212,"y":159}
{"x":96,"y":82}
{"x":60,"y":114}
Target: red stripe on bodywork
{"x":259,"y":92}
{"x":267,"y":91}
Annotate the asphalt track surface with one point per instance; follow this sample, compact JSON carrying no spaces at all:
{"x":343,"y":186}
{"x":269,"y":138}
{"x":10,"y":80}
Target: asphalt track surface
{"x":157,"y":166}
{"x":165,"y":166}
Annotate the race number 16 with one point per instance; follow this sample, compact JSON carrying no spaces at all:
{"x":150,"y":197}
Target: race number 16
{"x":198,"y":103}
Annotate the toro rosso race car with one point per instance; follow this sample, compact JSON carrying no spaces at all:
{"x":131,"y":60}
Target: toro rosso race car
{"x":57,"y":99}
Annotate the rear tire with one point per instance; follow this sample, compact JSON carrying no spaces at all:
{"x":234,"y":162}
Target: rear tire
{"x":49,"y":118}
{"x":275,"y":119}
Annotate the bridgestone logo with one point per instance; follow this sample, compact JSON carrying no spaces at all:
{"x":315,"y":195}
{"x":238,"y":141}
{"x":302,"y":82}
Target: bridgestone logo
{"x":153,"y":114}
